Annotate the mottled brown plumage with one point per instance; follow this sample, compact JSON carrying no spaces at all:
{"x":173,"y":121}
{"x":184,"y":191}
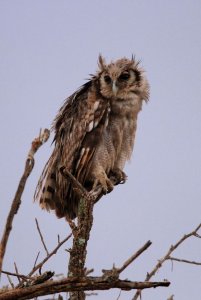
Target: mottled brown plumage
{"x":94,"y":134}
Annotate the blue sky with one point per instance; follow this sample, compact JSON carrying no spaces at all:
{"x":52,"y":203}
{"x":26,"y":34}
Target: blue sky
{"x":47,"y":50}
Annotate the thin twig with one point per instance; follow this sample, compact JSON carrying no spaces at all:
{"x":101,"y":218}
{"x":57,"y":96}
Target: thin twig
{"x":113,"y":274}
{"x":10,"y":281}
{"x":134,"y":256}
{"x":54,"y":251}
{"x":16,"y":270}
{"x":84,"y":193}
{"x":167,"y":256}
{"x":185,"y":261}
{"x":36,"y":259}
{"x":17,"y":199}
{"x":41,"y":236}
{"x":87,"y":272}
{"x":16,"y":275}
{"x":119,"y":295}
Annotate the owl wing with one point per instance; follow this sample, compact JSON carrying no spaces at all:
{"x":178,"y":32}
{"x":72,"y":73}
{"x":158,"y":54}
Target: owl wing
{"x":78,"y":127}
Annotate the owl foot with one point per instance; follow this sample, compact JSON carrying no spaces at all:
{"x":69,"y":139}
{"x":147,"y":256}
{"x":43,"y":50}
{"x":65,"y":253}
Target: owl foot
{"x":104,"y":181}
{"x":119,"y":176}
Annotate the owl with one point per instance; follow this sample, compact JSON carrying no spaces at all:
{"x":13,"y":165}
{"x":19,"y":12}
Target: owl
{"x":94,"y":135}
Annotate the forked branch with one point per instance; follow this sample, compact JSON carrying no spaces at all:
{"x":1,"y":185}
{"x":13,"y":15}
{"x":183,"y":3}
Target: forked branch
{"x":37,"y":142}
{"x":167,"y":256}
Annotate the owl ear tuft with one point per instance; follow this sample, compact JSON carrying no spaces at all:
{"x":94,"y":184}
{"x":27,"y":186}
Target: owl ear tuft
{"x":101,"y":62}
{"x":133,"y":58}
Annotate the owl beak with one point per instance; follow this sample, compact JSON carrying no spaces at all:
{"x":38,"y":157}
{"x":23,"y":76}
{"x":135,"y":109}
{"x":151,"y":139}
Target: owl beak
{"x":114,"y":88}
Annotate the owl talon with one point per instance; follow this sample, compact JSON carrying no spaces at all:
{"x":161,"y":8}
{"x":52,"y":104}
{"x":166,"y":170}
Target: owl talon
{"x":104,"y":182}
{"x":110,"y":186}
{"x":119,"y":176}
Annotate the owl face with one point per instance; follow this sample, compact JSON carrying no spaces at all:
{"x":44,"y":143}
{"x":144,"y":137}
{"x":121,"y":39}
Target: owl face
{"x":120,"y":79}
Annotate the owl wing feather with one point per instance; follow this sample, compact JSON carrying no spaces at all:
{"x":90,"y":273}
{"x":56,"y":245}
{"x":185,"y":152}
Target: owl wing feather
{"x":78,"y":126}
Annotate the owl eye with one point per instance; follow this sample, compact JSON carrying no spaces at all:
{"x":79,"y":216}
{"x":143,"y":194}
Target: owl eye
{"x":107,"y":79}
{"x":124,"y":76}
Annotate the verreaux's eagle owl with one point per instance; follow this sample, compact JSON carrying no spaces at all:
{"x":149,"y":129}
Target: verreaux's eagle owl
{"x":94,"y":134}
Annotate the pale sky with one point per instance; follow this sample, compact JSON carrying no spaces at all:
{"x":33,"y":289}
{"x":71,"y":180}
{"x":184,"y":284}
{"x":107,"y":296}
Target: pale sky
{"x":47,"y":50}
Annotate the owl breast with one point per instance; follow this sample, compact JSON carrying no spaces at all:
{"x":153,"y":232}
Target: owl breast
{"x":116,"y":145}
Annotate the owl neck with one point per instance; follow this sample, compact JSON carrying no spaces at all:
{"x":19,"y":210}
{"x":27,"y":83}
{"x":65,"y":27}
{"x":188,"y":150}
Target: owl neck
{"x":128,"y":108}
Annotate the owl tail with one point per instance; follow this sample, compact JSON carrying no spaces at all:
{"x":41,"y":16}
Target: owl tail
{"x":54,"y":192}
{"x":47,"y":196}
{"x":45,"y":189}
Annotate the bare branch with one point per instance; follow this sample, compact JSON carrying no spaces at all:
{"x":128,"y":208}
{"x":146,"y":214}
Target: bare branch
{"x":41,"y":236}
{"x":113,"y":274}
{"x":17,"y":199}
{"x":36,"y":259}
{"x":186,"y":236}
{"x":16,"y":270}
{"x":87,"y":272}
{"x":167,"y":256}
{"x":54,"y":251}
{"x":93,"y":195}
{"x":10,"y":281}
{"x":80,"y":189}
{"x":39,"y":265}
{"x":41,"y":278}
{"x":185,"y":261}
{"x":119,"y":295}
{"x":134,"y":256}
{"x":82,"y":232}
{"x":15,"y":274}
{"x":171,"y":249}
{"x":76,"y":284}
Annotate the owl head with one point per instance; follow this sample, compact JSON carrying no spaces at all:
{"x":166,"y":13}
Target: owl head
{"x":121,"y":79}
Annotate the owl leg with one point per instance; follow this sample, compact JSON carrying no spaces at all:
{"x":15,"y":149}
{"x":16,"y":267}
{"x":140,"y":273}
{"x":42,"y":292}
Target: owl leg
{"x":119,"y":175}
{"x":102,"y":179}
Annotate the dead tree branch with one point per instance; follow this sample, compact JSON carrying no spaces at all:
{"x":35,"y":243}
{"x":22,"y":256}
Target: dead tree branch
{"x":16,"y":270}
{"x":10,"y":281}
{"x":134,"y":256}
{"x":76,"y":284}
{"x":16,"y":275}
{"x":41,"y":236}
{"x":36,"y":259}
{"x":81,"y":232}
{"x":43,"y":137}
{"x":113,"y":274}
{"x":77,"y":281}
{"x":185,"y":261}
{"x":40,"y":265}
{"x":168,"y":256}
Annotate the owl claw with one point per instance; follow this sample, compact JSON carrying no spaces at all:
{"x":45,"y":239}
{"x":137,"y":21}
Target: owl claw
{"x":119,"y":176}
{"x":104,"y":182}
{"x":108,"y":187}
